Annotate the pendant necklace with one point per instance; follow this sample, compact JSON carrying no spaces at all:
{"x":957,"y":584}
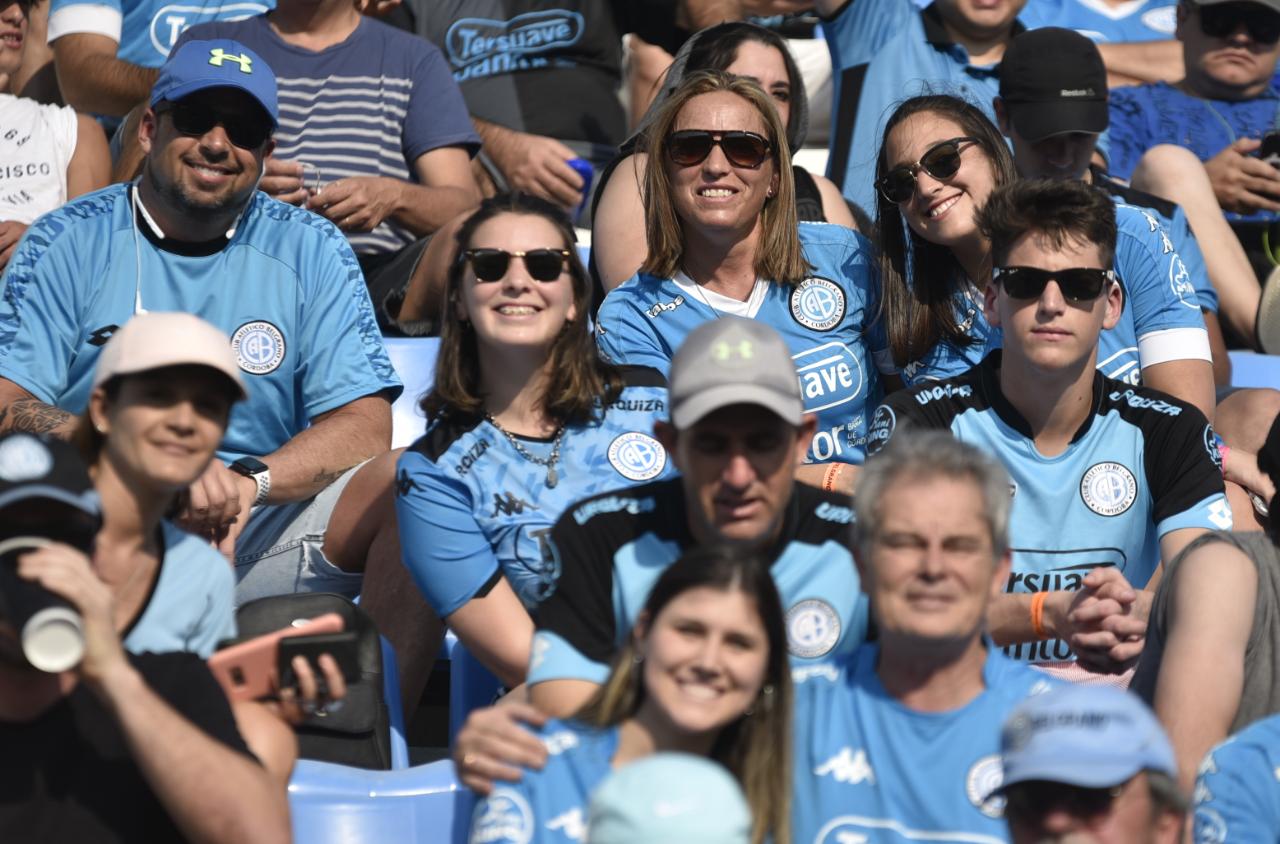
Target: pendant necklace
{"x":549,"y":461}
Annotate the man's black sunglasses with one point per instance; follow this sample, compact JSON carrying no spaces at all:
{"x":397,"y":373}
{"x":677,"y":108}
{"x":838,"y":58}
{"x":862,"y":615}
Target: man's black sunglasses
{"x":941,"y":161}
{"x":1222,"y":19}
{"x":1078,"y":284}
{"x":492,"y":264}
{"x":692,"y":146}
{"x":1035,"y":798}
{"x":195,"y":119}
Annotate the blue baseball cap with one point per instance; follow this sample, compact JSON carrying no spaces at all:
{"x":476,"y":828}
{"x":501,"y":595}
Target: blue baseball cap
{"x":221,"y":63}
{"x":674,"y":798}
{"x":1087,"y":736}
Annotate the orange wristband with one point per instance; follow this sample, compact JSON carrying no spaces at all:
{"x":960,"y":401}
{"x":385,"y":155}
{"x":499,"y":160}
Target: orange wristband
{"x":1037,"y":614}
{"x":829,"y":478}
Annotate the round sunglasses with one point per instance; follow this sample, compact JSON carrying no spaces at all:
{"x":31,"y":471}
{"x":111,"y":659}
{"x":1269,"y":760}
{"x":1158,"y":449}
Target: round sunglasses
{"x":246,"y":132}
{"x":1221,"y":19}
{"x":541,"y":264}
{"x":941,"y":161}
{"x":692,"y":146}
{"x":1078,"y":284}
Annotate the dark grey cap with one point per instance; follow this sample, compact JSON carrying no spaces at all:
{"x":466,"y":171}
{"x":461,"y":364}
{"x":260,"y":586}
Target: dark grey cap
{"x":732,"y":360}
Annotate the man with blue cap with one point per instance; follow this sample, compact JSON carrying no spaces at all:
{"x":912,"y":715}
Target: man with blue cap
{"x":1089,"y":764}
{"x":193,"y":234}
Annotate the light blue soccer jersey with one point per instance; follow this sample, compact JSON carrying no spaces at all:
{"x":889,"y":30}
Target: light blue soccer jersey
{"x":1160,"y":322}
{"x":549,"y":806}
{"x":1143,"y":464}
{"x":190,"y":607}
{"x":145,"y":29}
{"x":285,"y":288}
{"x":611,"y":548}
{"x":868,"y":769}
{"x":826,"y":321}
{"x":1103,"y":22}
{"x":1237,"y":794}
{"x":472,"y":508}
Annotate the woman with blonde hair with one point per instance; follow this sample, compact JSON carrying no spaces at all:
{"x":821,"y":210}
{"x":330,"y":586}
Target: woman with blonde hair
{"x":704,"y":672}
{"x":723,"y":238}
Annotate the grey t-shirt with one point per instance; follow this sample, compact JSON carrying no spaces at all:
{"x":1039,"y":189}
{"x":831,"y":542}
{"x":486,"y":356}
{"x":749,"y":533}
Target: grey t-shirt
{"x":1261,"y":694}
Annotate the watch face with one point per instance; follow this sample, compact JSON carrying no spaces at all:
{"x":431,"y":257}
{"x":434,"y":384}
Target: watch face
{"x":249,"y":466}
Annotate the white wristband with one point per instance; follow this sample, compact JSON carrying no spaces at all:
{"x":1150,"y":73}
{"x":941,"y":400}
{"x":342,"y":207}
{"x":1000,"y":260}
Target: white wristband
{"x":263,"y":482}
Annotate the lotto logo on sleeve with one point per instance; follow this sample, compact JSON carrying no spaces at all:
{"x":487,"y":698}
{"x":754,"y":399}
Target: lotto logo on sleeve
{"x":504,"y":816}
{"x":813,"y":628}
{"x":830,"y":375}
{"x":817,"y":304}
{"x":637,"y":457}
{"x":259,"y":347}
{"x":1108,"y":489}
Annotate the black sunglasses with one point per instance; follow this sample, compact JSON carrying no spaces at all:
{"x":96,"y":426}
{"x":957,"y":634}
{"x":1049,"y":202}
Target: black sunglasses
{"x":941,"y":161}
{"x":1034,"y":798}
{"x":195,"y":119}
{"x":1222,"y":19}
{"x":492,"y":264}
{"x":1078,"y":284}
{"x":692,"y":146}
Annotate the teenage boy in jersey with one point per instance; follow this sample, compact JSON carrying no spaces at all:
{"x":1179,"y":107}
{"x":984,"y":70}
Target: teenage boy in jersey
{"x":736,"y":433}
{"x":905,"y":734}
{"x":193,"y":234}
{"x":1089,"y":764}
{"x":1108,"y":479}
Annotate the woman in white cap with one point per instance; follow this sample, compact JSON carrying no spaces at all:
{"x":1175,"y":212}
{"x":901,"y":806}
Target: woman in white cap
{"x":704,"y":672}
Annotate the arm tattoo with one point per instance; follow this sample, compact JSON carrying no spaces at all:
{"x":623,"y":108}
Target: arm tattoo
{"x":326,"y":477}
{"x":33,"y":416}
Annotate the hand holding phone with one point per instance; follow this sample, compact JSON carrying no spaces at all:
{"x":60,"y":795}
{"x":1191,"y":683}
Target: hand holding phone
{"x":248,"y":670}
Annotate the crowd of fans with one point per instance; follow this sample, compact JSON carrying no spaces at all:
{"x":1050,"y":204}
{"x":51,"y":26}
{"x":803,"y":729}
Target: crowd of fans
{"x":912,"y":501}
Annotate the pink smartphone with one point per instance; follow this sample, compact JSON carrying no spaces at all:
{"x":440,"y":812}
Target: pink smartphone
{"x":247,"y":671}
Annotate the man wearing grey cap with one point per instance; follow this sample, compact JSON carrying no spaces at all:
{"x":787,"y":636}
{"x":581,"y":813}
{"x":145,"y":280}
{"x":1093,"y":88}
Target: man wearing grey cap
{"x":1089,"y":764}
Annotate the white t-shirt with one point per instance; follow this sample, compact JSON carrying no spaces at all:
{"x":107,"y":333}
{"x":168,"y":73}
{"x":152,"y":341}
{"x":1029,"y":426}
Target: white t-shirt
{"x":36,"y":145}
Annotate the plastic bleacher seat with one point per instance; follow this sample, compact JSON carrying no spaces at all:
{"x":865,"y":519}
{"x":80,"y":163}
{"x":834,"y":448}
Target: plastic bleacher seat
{"x":336,"y":804}
{"x":368,"y":731}
{"x":1253,"y":370}
{"x":471,"y":685}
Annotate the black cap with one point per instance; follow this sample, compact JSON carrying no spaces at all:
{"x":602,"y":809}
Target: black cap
{"x":1052,"y":81}
{"x":43,"y":468}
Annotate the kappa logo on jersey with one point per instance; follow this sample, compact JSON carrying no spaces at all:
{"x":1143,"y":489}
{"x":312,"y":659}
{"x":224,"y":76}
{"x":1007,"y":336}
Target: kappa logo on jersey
{"x":882,"y":425}
{"x":24,"y":458}
{"x":830,"y":375}
{"x":817,"y":304}
{"x":171,"y":21}
{"x":983,"y":778}
{"x":102,"y":335}
{"x":571,"y":823}
{"x":1108,"y":489}
{"x":259,"y":347}
{"x":847,"y":767}
{"x":1180,"y":283}
{"x":405,"y":484}
{"x":510,"y":505}
{"x":1220,"y":514}
{"x":813,"y":628}
{"x":637,"y":456}
{"x":504,"y":816}
{"x":663,"y":307}
{"x":485,"y":47}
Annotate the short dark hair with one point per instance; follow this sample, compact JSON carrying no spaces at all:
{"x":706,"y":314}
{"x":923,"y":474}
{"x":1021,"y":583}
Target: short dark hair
{"x":1059,"y":211}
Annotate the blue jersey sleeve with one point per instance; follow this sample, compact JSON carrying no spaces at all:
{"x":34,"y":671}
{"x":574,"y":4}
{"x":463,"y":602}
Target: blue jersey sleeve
{"x":625,"y":338}
{"x":858,"y":31}
{"x":1237,"y":794}
{"x":40,"y":323}
{"x":1159,"y":291}
{"x":443,"y":546}
{"x":1127,"y":133}
{"x":344,"y":358}
{"x":1184,"y":241}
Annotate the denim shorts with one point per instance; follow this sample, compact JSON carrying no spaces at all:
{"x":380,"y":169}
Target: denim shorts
{"x":281,"y":550}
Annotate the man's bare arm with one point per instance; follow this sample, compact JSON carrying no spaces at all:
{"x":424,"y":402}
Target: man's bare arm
{"x":93,"y":79}
{"x":21,"y":411}
{"x":1144,"y":61}
{"x":337,"y":440}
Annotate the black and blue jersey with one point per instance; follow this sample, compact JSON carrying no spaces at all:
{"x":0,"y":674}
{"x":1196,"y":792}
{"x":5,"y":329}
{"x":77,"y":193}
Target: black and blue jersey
{"x":1141,"y":465}
{"x":611,"y":548}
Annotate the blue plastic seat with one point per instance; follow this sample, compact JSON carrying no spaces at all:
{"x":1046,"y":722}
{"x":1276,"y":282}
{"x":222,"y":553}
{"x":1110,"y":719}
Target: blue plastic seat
{"x":1253,"y":370}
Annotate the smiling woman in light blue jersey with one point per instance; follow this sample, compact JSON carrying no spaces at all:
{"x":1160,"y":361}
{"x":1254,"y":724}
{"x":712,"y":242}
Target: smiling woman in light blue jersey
{"x":704,"y":672}
{"x":720,"y":217}
{"x":524,"y":419}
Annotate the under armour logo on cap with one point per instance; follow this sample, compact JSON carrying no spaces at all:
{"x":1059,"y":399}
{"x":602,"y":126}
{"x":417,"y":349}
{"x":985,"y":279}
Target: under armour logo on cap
{"x":724,"y":351}
{"x":218,"y":55}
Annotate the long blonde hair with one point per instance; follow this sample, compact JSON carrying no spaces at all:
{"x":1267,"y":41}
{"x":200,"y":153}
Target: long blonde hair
{"x":756,"y":748}
{"x":779,"y":256}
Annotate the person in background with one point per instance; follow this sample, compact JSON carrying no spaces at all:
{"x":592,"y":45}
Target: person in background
{"x":1089,"y":764}
{"x":704,"y":671}
{"x":1237,"y":793}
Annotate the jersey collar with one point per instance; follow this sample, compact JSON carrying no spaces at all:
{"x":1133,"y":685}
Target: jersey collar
{"x":989,"y":380}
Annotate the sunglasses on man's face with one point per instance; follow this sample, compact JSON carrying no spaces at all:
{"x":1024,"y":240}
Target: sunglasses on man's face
{"x":941,"y":161}
{"x":541,"y":264}
{"x":1222,"y":19}
{"x":1033,"y":799}
{"x":196,"y":119}
{"x":1078,"y":284}
{"x":692,"y":146}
